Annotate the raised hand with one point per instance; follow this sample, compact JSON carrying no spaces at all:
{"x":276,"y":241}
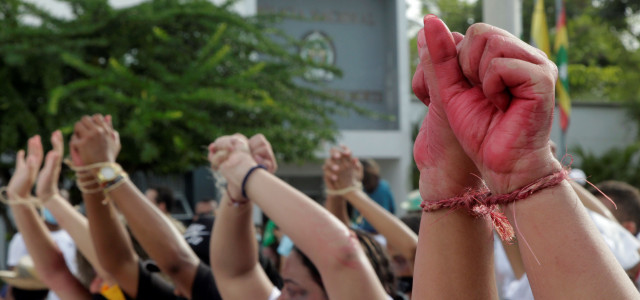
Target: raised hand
{"x":262,"y":152}
{"x":445,"y":169}
{"x":26,"y":170}
{"x":232,"y":157}
{"x":94,"y":141}
{"x":47,"y":185}
{"x":499,"y":104}
{"x":341,"y":170}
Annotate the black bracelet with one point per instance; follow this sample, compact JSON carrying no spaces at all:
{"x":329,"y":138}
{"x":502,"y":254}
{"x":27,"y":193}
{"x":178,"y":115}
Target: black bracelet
{"x":246,"y":177}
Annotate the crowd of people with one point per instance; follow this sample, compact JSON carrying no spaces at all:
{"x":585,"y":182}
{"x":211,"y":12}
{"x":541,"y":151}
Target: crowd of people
{"x":499,"y":216}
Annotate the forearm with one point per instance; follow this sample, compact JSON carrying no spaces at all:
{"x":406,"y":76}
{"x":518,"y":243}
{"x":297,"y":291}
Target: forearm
{"x":77,"y":226}
{"x":557,"y":228}
{"x":233,"y":236}
{"x":328,"y":243}
{"x":47,"y":258}
{"x":320,"y":235}
{"x":338,"y":207}
{"x":112,"y":243}
{"x":397,"y":234}
{"x":164,"y":244}
{"x":234,"y":254}
{"x":592,"y":202}
{"x":453,"y":246}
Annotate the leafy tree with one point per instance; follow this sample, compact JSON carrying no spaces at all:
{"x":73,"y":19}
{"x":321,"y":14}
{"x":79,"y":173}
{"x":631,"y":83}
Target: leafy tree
{"x":458,"y":14}
{"x":602,"y":68}
{"x":174,"y":74}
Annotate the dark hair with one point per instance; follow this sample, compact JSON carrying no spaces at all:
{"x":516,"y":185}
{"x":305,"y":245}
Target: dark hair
{"x":86,"y":272}
{"x":412,"y":220}
{"x":377,"y":256}
{"x":371,"y":175}
{"x":379,"y":259}
{"x":315,"y":274}
{"x":165,"y":196}
{"x":626,"y":197}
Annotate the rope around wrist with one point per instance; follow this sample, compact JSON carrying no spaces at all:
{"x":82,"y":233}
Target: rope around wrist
{"x":344,"y":191}
{"x":91,"y":185}
{"x":481,"y":203}
{"x":16,"y":200}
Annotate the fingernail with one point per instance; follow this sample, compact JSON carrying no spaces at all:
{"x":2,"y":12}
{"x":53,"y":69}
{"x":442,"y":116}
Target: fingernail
{"x":421,"y":39}
{"x":430,"y":16}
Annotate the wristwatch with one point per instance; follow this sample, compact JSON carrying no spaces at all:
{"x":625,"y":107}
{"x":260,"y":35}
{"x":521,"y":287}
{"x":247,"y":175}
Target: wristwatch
{"x":107,"y":174}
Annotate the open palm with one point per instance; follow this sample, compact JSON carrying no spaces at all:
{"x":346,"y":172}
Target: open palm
{"x":47,"y":185}
{"x":26,"y":169}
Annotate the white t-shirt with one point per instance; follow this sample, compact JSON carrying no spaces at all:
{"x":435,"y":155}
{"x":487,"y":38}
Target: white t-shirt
{"x":18,"y":249}
{"x":622,"y":244}
{"x":275,"y":293}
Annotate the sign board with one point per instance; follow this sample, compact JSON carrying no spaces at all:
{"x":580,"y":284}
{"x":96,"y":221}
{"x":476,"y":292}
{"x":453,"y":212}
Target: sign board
{"x":357,"y":36}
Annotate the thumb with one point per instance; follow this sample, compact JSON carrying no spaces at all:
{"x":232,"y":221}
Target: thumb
{"x":442,"y":69}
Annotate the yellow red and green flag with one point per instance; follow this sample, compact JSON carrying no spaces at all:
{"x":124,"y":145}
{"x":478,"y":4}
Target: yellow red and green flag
{"x":539,"y":31}
{"x":561,"y":48}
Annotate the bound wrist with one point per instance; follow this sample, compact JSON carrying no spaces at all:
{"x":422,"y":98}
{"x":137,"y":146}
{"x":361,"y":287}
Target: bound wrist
{"x":504,"y":183}
{"x":436,"y":184}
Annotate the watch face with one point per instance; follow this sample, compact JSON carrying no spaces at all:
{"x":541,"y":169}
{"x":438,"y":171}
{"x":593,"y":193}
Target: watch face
{"x":108,"y":173}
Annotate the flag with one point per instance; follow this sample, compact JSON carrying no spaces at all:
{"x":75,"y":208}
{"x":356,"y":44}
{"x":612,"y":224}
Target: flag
{"x":561,"y":48}
{"x":539,"y":32}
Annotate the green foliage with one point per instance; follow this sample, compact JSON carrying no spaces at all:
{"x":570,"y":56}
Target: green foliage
{"x":174,"y":74}
{"x":616,"y":164}
{"x":601,"y":68}
{"x":458,"y":15}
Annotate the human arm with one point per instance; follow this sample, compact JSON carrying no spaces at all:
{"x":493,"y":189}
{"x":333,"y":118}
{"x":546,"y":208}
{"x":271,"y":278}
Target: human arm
{"x":48,"y":260}
{"x":451,"y":242}
{"x":344,"y":268}
{"x":98,"y":143}
{"x":502,"y":118}
{"x":109,"y":236}
{"x":234,"y":253}
{"x":67,"y":217}
{"x":336,"y":204}
{"x":345,"y":170}
{"x":592,"y":202}
{"x":233,"y":248}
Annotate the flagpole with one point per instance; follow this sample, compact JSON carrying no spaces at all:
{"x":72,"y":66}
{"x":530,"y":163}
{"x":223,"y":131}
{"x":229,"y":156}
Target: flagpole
{"x":563,"y":133}
{"x":563,"y":143}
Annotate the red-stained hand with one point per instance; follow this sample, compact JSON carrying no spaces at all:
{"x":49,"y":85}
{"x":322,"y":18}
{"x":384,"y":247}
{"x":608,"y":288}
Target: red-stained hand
{"x":499,"y":103}
{"x":445,"y":169}
{"x":26,"y":170}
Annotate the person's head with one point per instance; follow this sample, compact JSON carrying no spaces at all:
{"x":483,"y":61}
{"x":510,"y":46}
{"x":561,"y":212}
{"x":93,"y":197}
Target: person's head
{"x":371,"y":175}
{"x":162,"y":197}
{"x":627,"y":200}
{"x":302,"y":278}
{"x":206,"y":207}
